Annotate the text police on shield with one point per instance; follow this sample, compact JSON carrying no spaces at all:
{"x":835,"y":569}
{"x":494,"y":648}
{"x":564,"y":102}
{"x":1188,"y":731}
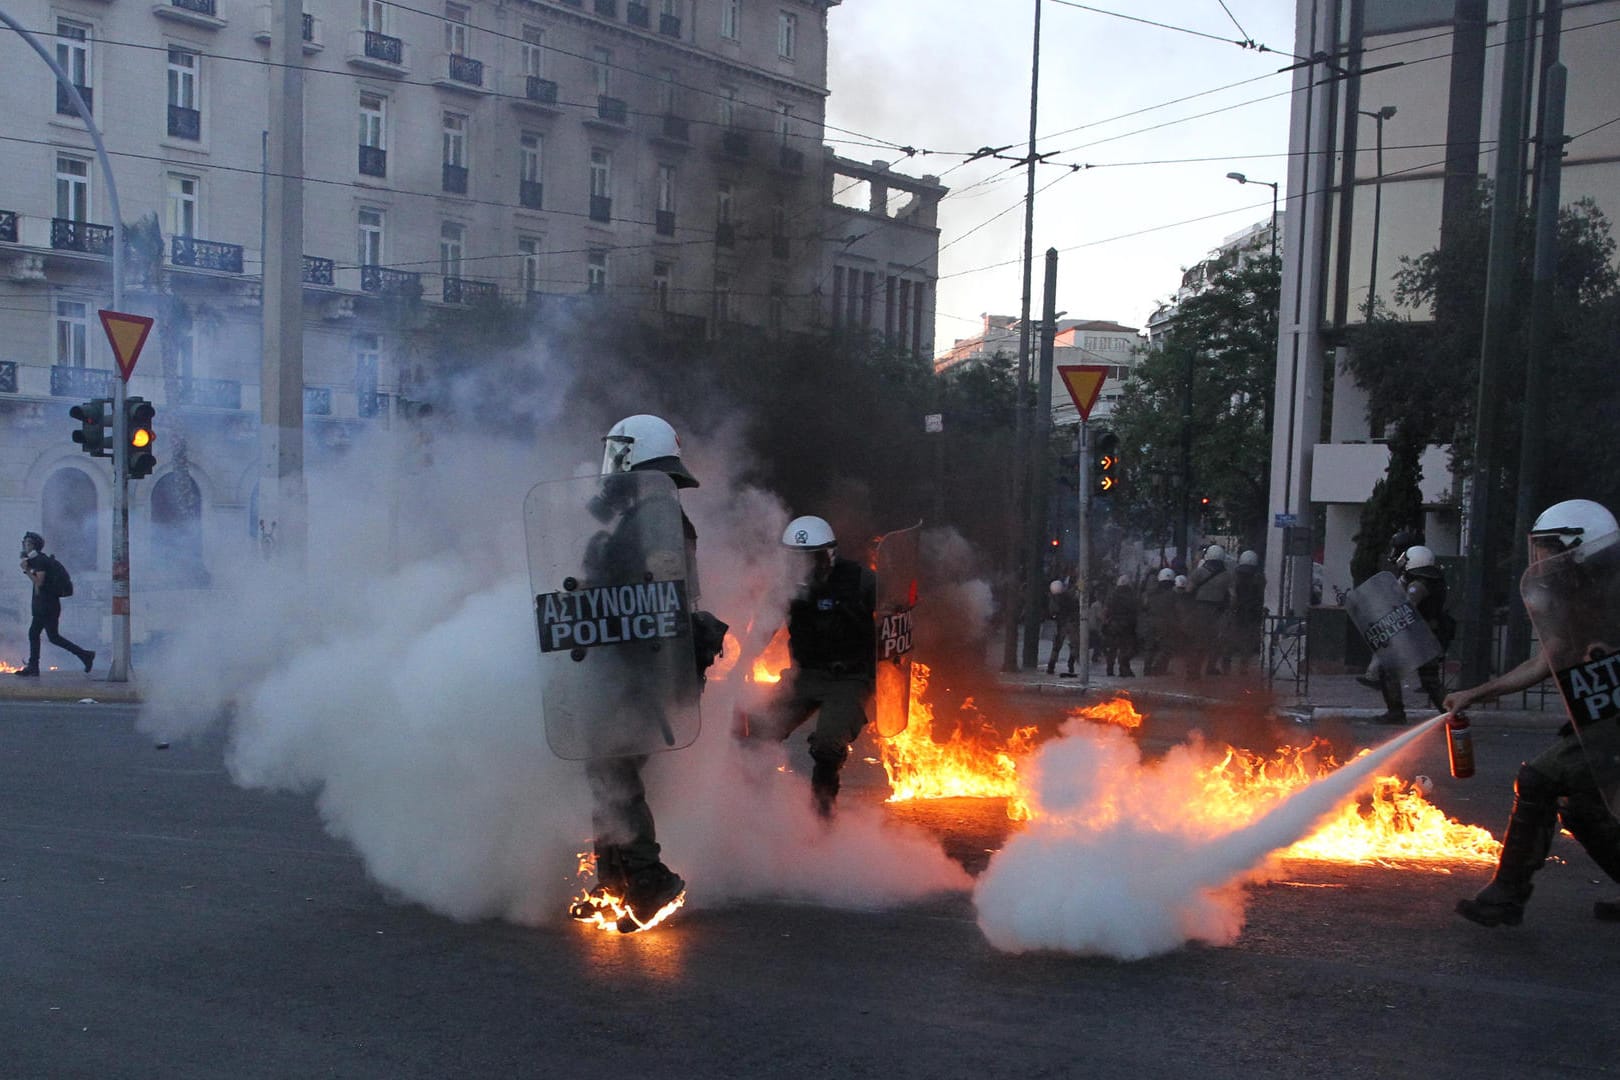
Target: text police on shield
{"x":611,"y":615}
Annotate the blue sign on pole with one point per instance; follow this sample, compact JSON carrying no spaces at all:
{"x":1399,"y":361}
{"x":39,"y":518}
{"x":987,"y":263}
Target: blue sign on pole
{"x":1285,"y":521}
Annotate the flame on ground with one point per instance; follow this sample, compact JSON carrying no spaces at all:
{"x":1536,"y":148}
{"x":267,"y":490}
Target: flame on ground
{"x":1393,"y":824}
{"x":599,"y":907}
{"x":8,"y":668}
{"x":775,"y":659}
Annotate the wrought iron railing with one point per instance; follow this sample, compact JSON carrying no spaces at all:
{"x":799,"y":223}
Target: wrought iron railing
{"x":318,"y":271}
{"x":608,"y":9}
{"x":69,"y":381}
{"x":384,"y":47}
{"x":601,"y":208}
{"x":317,"y":401}
{"x":69,"y":235}
{"x":308,"y":27}
{"x":637,"y":14}
{"x":185,"y":123}
{"x":205,"y":254}
{"x":373,"y":161}
{"x":383,"y":279}
{"x":467,"y":70}
{"x":664,"y":222}
{"x":530,"y":194}
{"x":459,"y":290}
{"x":677,"y":128}
{"x":8,"y":376}
{"x":455,"y":179}
{"x":201,"y":7}
{"x":542,"y":90}
{"x":209,"y":393}
{"x":8,"y":226}
{"x":370,"y":404}
{"x":669,"y":25}
{"x":64,"y":102}
{"x":612,"y":110}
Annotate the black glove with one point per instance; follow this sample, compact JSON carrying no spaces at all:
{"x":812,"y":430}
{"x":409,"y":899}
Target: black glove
{"x":708,"y":639}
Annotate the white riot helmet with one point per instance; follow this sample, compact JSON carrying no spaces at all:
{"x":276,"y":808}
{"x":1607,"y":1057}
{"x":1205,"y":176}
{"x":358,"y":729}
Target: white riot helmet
{"x":1576,"y":523}
{"x":1056,"y":588}
{"x":1182,"y":583}
{"x":1214,"y":553}
{"x":1416,"y":557}
{"x":810,"y":534}
{"x":1167,"y":574}
{"x":1124,"y":579}
{"x":645,"y":441}
{"x":1248,"y":558}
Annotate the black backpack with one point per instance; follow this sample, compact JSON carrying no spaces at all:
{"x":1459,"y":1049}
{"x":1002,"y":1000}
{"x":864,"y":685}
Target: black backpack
{"x":58,"y":582}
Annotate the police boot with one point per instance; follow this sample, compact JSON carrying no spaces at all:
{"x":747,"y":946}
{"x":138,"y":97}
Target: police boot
{"x":824,"y":787}
{"x":1524,"y":849}
{"x":650,"y":890}
{"x":29,"y":671}
{"x":1588,"y":820}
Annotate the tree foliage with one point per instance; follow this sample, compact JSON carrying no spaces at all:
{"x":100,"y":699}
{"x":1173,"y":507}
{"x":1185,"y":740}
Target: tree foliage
{"x":1224,"y":338}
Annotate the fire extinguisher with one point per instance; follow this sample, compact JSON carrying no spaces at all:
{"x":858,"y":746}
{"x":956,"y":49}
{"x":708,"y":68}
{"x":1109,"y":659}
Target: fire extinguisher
{"x":1460,"y":746}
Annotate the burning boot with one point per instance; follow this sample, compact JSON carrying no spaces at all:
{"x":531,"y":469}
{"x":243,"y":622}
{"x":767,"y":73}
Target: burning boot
{"x":1589,"y":821}
{"x":652,"y":889}
{"x":1524,"y":849}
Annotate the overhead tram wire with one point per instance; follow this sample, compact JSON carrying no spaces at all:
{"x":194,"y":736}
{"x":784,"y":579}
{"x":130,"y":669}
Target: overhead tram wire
{"x":1245,"y":43}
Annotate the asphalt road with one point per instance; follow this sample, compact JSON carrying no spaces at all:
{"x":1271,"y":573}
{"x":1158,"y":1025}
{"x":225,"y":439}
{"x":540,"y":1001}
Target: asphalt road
{"x":159,"y":922}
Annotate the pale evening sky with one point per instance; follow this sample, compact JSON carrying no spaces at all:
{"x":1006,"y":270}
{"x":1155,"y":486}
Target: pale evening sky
{"x":954,"y":75}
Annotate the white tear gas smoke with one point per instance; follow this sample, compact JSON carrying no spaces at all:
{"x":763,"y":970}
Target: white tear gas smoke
{"x":1113,"y":864}
{"x":397,"y":682}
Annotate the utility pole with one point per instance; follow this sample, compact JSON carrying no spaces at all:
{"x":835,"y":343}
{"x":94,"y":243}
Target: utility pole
{"x":1501,"y":261}
{"x":283,"y":511}
{"x":1018,"y":524}
{"x":1040,"y":482}
{"x":1549,"y":170}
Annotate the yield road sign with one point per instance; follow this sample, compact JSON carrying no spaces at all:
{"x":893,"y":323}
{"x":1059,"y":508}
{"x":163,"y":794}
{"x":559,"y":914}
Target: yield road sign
{"x":126,"y":333}
{"x":1084,"y":381}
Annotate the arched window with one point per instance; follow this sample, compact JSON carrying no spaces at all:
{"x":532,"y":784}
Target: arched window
{"x":177,"y":528}
{"x":68,"y":519}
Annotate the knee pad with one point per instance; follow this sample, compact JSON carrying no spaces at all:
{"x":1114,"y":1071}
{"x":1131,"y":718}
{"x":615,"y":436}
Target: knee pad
{"x":1535,"y":787}
{"x":828,"y":753}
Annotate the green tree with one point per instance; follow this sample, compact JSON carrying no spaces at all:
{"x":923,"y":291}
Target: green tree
{"x":1224,"y":339}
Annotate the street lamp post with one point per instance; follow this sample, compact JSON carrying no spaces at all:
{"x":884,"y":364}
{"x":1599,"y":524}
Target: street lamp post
{"x":1242,"y":179}
{"x":1270,"y":390}
{"x":1378,"y":199}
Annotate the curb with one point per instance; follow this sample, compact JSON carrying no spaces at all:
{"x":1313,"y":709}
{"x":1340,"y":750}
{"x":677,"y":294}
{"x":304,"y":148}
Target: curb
{"x":64,"y":686}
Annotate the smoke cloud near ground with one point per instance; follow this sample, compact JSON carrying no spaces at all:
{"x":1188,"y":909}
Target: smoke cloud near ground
{"x":1115,"y":865}
{"x":396,"y":682}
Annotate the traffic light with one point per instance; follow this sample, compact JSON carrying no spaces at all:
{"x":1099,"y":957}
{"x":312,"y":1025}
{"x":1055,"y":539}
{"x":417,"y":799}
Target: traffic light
{"x":95,"y":420}
{"x":1105,"y":464}
{"x":141,"y":461}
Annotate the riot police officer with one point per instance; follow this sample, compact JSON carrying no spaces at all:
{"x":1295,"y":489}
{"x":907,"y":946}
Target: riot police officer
{"x":1425,"y":585}
{"x":832,"y":639}
{"x":1572,"y":592}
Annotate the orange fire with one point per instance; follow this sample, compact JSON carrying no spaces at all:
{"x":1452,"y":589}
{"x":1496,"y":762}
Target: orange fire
{"x":770,"y":664}
{"x":605,"y":910}
{"x":974,"y":762}
{"x":8,"y":668}
{"x":1395,"y":824}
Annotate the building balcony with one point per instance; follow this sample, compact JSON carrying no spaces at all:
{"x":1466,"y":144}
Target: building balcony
{"x":67,"y":381}
{"x":462,"y":73}
{"x":8,"y":376}
{"x":201,"y":13}
{"x":64,"y":102}
{"x":369,"y":404}
{"x":789,"y":159}
{"x":637,"y":14}
{"x":664,"y":222}
{"x":533,"y":92}
{"x":373,"y":161}
{"x":386,"y":281}
{"x":673,"y":131}
{"x":460,"y":290}
{"x":185,"y":123}
{"x":725,"y":235}
{"x":455,"y":179}
{"x":612,"y":113}
{"x":734,"y":144}
{"x":205,"y":254}
{"x":669,"y":25}
{"x":209,"y":393}
{"x":8,"y":226}
{"x":601,"y":208}
{"x":317,"y":401}
{"x":531,"y":194}
{"x":608,"y":9}
{"x":376,"y":52}
{"x":313,"y":32}
{"x":67,"y":235}
{"x":318,"y":271}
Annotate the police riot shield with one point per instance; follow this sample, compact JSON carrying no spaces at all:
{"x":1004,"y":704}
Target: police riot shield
{"x":609,"y":569}
{"x":1395,"y":632}
{"x":896,"y":561}
{"x":1574,"y":603}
